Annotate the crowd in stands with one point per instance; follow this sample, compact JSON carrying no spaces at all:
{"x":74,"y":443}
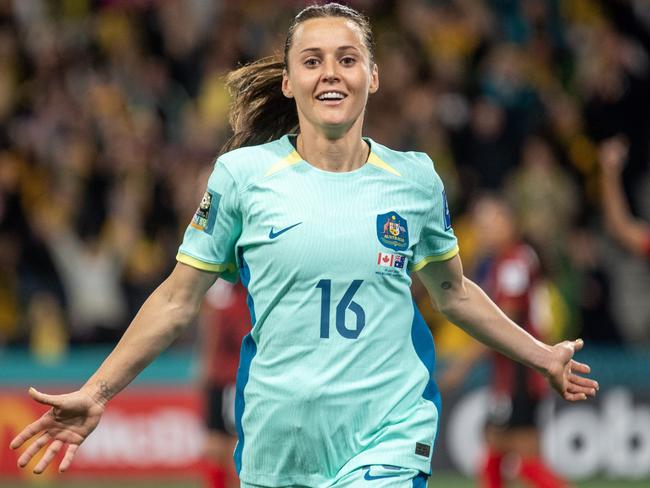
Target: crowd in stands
{"x":112,"y":112}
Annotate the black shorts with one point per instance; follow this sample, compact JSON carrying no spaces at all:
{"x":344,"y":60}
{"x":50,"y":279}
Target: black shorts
{"x":519,"y":409}
{"x":220,"y":409}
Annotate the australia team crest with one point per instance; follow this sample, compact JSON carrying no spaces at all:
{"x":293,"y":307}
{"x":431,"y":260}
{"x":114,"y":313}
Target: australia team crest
{"x":392,"y":231}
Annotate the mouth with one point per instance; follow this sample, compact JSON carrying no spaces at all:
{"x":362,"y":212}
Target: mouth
{"x":331,"y":97}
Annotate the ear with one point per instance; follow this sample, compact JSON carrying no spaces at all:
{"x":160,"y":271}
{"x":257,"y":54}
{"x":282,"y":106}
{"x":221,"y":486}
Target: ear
{"x":374,"y":79}
{"x":286,"y":84}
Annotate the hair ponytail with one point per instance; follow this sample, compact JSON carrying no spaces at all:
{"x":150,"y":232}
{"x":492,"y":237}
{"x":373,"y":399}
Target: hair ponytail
{"x":259,"y":112}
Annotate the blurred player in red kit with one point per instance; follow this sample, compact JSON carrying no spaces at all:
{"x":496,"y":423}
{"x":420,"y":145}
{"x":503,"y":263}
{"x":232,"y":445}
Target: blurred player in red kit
{"x":225,"y":321}
{"x":509,"y":272}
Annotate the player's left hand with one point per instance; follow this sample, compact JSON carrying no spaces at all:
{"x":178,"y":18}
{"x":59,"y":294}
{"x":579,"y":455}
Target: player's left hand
{"x":565,"y":374}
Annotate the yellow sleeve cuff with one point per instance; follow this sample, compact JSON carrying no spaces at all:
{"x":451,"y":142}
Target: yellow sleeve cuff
{"x":203,"y":266}
{"x":430,"y":259}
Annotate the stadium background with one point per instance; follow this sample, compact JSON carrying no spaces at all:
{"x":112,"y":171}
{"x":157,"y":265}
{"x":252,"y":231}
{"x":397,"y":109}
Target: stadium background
{"x":111,"y":113}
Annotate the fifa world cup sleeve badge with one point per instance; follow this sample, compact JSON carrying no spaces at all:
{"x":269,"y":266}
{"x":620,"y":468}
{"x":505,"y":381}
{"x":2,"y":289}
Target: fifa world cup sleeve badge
{"x":447,"y":214}
{"x":392,"y":231}
{"x":206,"y":214}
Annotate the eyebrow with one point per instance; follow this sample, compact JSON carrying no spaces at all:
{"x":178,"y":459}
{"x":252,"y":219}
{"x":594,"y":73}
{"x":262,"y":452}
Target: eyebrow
{"x":317,"y":49}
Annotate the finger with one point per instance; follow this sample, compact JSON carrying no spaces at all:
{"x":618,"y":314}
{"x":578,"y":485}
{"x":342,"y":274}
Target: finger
{"x":574,"y":397}
{"x":580,"y":367}
{"x":578,"y":344}
{"x":67,"y":459}
{"x":579,"y":380}
{"x":28,"y":432}
{"x":590,"y":392}
{"x":31,"y":451}
{"x":45,"y":399}
{"x":52,"y":451}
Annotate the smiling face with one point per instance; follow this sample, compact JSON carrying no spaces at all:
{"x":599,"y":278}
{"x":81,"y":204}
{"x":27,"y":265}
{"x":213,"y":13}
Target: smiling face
{"x":329,"y":74}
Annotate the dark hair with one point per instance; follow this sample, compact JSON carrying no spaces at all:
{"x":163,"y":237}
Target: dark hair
{"x":260,"y":112}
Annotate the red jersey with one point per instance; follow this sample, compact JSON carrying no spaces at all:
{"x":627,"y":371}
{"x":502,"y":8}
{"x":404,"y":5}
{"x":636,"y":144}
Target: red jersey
{"x":225,"y":321}
{"x":511,"y":281}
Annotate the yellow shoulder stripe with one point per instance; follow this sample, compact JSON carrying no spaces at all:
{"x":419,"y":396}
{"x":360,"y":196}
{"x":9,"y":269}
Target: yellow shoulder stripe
{"x":203,"y":266}
{"x":285,"y":162}
{"x":380,"y":163}
{"x":430,"y":259}
{"x":294,"y":158}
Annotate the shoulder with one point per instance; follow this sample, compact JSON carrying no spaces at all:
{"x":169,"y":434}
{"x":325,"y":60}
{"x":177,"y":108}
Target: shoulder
{"x":249,"y":164}
{"x":417,"y":167}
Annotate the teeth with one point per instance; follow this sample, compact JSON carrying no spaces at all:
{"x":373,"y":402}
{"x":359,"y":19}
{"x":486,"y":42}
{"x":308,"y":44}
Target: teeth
{"x":331,"y":96}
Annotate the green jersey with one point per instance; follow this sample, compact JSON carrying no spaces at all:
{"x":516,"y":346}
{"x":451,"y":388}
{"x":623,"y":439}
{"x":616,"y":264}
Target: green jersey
{"x":336,"y":371}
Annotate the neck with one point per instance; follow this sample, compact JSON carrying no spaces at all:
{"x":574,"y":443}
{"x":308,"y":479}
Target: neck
{"x":341,"y":154}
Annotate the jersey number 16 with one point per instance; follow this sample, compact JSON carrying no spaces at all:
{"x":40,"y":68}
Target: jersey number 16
{"x":345,"y":304}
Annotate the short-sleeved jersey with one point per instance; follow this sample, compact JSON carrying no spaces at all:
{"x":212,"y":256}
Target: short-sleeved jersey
{"x":336,"y":371}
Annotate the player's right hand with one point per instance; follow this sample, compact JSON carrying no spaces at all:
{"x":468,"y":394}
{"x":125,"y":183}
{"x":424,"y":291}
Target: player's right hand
{"x":71,"y":419}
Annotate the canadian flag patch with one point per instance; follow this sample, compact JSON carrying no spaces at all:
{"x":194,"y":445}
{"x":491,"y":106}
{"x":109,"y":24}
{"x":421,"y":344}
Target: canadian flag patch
{"x":390,"y":260}
{"x":385,"y":259}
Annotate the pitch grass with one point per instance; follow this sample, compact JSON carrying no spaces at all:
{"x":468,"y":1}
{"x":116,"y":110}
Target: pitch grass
{"x":439,"y":480}
{"x":444,"y":480}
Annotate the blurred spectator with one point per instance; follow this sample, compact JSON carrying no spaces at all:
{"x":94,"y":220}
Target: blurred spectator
{"x":486,"y":150}
{"x":631,"y":232}
{"x":545,"y":197}
{"x":587,"y":287}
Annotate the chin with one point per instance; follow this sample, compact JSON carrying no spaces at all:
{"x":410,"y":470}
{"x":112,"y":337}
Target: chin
{"x":338,"y":122}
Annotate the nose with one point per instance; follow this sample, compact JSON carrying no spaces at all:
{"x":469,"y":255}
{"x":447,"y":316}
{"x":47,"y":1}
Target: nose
{"x":330,"y":70}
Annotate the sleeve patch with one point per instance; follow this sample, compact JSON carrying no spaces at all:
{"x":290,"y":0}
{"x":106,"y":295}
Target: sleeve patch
{"x":206,"y":214}
{"x":447,"y":216}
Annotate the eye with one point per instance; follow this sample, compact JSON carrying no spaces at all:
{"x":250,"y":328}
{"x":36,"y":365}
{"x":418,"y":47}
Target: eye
{"x":311,"y":62}
{"x":348,"y":61}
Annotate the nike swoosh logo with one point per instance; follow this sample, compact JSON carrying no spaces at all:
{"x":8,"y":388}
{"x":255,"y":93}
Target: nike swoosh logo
{"x":273,"y":235}
{"x":369,"y":477}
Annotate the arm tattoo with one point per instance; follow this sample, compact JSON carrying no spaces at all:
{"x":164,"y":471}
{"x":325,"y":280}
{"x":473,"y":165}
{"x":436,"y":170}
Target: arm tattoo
{"x":445,"y":285}
{"x":105,"y":390}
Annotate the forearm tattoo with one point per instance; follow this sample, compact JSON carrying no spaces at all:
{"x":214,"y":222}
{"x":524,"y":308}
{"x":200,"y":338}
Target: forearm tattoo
{"x":105,"y":390}
{"x":445,"y":285}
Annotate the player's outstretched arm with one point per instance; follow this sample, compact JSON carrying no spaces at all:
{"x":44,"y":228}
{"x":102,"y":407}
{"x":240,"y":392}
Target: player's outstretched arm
{"x":73,"y":416}
{"x":466,"y":305}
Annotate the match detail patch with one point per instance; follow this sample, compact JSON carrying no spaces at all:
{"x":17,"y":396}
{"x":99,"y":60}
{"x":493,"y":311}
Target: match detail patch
{"x":206,"y":214}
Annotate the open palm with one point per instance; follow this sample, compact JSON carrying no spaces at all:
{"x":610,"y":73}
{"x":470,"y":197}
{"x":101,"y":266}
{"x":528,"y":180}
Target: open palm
{"x":71,"y":419}
{"x":565,"y":373}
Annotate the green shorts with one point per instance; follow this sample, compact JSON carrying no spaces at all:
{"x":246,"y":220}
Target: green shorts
{"x":374,"y":476}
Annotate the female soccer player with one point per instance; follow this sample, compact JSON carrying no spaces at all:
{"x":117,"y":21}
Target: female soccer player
{"x":325,"y":227}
